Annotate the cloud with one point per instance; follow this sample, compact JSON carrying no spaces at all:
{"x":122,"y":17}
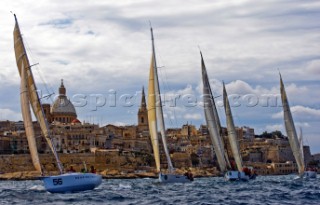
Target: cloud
{"x":302,"y":124}
{"x":239,"y":87}
{"x":119,"y":123}
{"x":313,"y":67}
{"x":195,"y":116}
{"x":6,"y":114}
{"x":274,"y":127}
{"x":301,"y":112}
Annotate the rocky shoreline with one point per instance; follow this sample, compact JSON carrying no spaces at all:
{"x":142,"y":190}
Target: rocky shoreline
{"x":19,"y":167}
{"x":106,"y":174}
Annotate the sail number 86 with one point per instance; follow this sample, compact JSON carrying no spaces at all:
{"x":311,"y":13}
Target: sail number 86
{"x":57,"y":181}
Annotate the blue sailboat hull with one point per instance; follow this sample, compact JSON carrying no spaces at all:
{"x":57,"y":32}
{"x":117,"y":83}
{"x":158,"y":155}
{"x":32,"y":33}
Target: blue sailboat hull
{"x":71,"y":182}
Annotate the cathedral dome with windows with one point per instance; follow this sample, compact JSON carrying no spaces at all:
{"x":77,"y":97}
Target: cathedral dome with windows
{"x":62,"y":109}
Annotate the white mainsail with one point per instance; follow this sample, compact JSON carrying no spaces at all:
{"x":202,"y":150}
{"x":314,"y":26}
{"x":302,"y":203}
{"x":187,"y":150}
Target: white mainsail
{"x":212,"y":119}
{"x":27,"y":120}
{"x":23,"y":64}
{"x":231,"y":131}
{"x":155,"y":112}
{"x":291,"y":131}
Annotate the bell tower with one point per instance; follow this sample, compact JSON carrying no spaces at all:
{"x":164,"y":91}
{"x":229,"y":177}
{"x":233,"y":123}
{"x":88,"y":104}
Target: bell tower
{"x":62,"y":89}
{"x":143,"y":114}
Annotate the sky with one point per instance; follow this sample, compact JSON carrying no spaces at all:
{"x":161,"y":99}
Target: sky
{"x":102,"y":51}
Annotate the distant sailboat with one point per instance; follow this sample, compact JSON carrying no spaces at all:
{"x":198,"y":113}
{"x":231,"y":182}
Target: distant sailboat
{"x":295,"y":144}
{"x":212,"y":119}
{"x":309,"y":173}
{"x":155,"y":116}
{"x":68,"y":182}
{"x":233,"y":175}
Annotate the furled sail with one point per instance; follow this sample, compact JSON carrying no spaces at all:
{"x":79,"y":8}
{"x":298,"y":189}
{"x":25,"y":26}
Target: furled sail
{"x":231,"y":131}
{"x":291,"y":131}
{"x":23,"y":63}
{"x":212,"y":119}
{"x":27,"y":120}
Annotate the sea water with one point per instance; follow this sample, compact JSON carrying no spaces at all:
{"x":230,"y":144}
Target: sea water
{"x":215,"y":190}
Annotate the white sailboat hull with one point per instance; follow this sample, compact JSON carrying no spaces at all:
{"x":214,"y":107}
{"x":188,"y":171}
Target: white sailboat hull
{"x":173,"y":178}
{"x":310,"y":174}
{"x":237,"y":176}
{"x":71,"y":182}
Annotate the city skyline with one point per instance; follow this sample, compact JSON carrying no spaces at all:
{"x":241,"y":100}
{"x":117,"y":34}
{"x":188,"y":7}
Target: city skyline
{"x":100,"y":49}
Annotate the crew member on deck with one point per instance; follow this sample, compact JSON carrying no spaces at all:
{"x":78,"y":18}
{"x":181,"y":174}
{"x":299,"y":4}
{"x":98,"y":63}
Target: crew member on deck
{"x":246,"y":171}
{"x":92,"y":169}
{"x":233,"y":165}
{"x":189,"y":175}
{"x":71,"y":169}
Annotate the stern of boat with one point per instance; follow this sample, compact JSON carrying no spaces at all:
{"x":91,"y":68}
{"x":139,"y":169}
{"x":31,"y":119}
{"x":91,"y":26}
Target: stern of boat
{"x":310,"y":174}
{"x":235,"y":176}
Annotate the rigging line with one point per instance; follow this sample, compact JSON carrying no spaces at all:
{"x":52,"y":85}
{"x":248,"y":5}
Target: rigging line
{"x":235,"y":114}
{"x":30,"y":56}
{"x":165,"y":101}
{"x":168,"y":88}
{"x":163,"y":83}
{"x":50,"y":93}
{"x":173,"y":123}
{"x":215,"y":95}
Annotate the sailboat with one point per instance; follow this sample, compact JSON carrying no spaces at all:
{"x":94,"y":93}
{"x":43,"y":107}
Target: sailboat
{"x":64,"y":182}
{"x":309,"y":173}
{"x":155,"y":117}
{"x":214,"y":127}
{"x":239,"y":174}
{"x":212,"y":120}
{"x":295,"y":143}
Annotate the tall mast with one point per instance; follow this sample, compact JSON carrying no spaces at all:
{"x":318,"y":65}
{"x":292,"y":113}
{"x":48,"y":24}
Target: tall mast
{"x":159,"y":109}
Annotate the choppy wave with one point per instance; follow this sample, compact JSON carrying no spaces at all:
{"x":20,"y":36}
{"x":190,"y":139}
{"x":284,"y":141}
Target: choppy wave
{"x":263,"y":190}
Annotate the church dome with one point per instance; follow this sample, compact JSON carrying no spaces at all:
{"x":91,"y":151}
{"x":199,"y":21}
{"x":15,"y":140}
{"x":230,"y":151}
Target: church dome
{"x":62,"y":109}
{"x":62,"y":105}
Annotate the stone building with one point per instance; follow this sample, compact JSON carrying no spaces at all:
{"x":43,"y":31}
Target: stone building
{"x":76,"y":137}
{"x":131,"y":137}
{"x":284,"y":168}
{"x":266,"y":150}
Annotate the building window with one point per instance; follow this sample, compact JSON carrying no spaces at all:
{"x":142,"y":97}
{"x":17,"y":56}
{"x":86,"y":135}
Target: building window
{"x":142,"y":120}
